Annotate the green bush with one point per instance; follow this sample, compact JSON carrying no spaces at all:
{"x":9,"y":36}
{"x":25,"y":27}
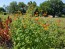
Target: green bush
{"x":29,"y":33}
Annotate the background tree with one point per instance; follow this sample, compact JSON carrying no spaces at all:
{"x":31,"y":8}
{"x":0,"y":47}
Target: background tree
{"x":56,"y":6}
{"x":21,"y":4}
{"x":22,"y":7}
{"x":30,"y":3}
{"x":13,"y":7}
{"x":51,"y":7}
{"x":45,"y":7}
{"x":63,"y":11}
{"x":31,"y":7}
{"x":34,"y":4}
{"x":2,"y":9}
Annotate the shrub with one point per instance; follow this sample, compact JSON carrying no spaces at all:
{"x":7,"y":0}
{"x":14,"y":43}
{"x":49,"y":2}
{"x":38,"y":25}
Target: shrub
{"x":35,"y":33}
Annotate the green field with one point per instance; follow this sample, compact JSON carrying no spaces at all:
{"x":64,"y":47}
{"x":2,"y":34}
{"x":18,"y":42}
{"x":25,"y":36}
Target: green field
{"x":35,"y":32}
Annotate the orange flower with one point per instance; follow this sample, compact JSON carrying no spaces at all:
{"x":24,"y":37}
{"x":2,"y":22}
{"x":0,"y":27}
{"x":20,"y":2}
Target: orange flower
{"x":37,"y":19}
{"x":39,"y":23}
{"x":16,"y":15}
{"x":44,"y":25}
{"x":47,"y":24}
{"x":58,"y":21}
{"x":46,"y":28}
{"x":58,"y":24}
{"x":15,"y":18}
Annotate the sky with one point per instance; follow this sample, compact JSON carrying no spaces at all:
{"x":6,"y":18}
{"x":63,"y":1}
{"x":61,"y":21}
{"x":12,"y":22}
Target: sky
{"x":7,"y":2}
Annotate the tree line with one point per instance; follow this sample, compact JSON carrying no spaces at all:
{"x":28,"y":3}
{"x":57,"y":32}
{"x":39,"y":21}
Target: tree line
{"x":48,"y":7}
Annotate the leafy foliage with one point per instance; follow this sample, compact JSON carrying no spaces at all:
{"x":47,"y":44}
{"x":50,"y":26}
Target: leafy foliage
{"x":35,"y":33}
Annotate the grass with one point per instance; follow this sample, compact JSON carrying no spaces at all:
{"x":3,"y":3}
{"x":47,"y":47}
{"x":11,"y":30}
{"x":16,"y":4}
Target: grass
{"x":0,"y":47}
